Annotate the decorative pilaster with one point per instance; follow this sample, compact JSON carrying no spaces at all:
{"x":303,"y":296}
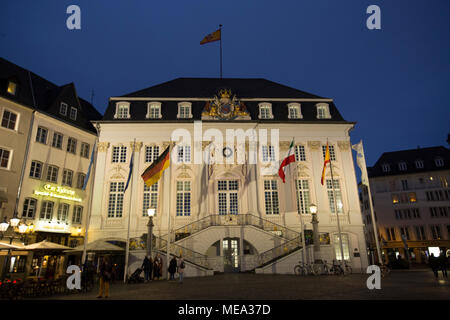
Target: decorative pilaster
{"x":103,"y":146}
{"x":314,"y":145}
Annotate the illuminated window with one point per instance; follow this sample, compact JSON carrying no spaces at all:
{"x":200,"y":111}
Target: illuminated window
{"x":303,"y":196}
{"x":294,"y":111}
{"x":46,"y":210}
{"x":323,"y":111}
{"x":122,"y":110}
{"x":228,"y":196}
{"x":184,"y":110}
{"x":29,"y":208}
{"x":337,"y":192}
{"x":63,"y":212}
{"x":412,"y":197}
{"x":265,"y":111}
{"x":395,"y":198}
{"x":345,"y":245}
{"x":150,"y":198}
{"x":9,"y":120}
{"x":115,"y":203}
{"x":12,"y":86}
{"x":271,"y":197}
{"x":183,"y":200}
{"x":154,"y":110}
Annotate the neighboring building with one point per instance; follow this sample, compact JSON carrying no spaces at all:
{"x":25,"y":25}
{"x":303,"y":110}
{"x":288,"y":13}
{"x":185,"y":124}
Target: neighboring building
{"x":411,"y":197}
{"x":46,"y":142}
{"x":226,"y":217}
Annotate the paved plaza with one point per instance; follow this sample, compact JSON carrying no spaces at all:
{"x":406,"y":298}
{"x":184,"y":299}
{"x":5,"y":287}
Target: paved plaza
{"x":401,"y":284}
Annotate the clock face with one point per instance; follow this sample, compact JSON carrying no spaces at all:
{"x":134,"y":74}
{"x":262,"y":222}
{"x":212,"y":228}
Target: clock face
{"x":227,"y":152}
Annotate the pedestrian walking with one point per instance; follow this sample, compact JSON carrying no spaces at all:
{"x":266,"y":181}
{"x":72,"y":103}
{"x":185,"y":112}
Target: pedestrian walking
{"x":181,"y":266}
{"x":442,"y":262}
{"x":432,"y":260}
{"x":105,"y":276}
{"x":157,"y":267}
{"x":172,"y":268}
{"x":147,"y":265}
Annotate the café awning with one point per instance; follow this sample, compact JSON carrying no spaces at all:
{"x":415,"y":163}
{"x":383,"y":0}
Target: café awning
{"x":98,"y":246}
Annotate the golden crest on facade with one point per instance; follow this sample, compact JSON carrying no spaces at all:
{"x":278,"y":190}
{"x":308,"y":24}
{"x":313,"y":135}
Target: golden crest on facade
{"x":225,"y":106}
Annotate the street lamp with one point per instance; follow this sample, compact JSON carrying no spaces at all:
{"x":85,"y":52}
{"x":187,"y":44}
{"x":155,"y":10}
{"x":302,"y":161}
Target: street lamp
{"x":315,"y":224}
{"x":151,"y":213}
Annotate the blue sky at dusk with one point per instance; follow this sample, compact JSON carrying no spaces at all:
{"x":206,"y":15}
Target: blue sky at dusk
{"x":393,"y":82}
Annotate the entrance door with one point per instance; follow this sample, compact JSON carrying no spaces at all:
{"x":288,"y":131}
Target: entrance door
{"x":231,"y":255}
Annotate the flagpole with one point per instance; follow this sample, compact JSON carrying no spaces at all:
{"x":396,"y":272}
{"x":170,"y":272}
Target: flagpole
{"x":168,"y":215}
{"x":337,"y":215}
{"x":127,"y":249}
{"x":88,"y":216}
{"x":220,"y":28}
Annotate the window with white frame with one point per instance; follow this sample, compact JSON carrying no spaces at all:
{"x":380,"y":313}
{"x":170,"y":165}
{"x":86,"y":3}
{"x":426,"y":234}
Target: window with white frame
{"x":9,"y":120}
{"x":183,"y":204}
{"x":29,"y":208}
{"x":52,"y":173}
{"x":419,"y":164}
{"x":63,"y":212}
{"x":12,"y":86}
{"x":4,"y":158}
{"x":36,"y":169}
{"x":41,"y":135}
{"x":57,"y":140}
{"x":150,"y":198}
{"x":115,"y":201}
{"x":271,"y":197}
{"x":402,"y":166}
{"x":268,"y":153}
{"x":300,"y":154}
{"x":80,"y":180}
{"x":151,"y":153}
{"x":332,"y":153}
{"x":46,"y":210}
{"x":183,"y":154}
{"x":153,"y":110}
{"x":228,"y":196}
{"x":337,"y":192}
{"x":63,"y":108}
{"x":439,"y":162}
{"x":77,"y":214}
{"x":119,"y":154}
{"x":67,"y":177}
{"x":303,"y":196}
{"x":85,"y":150}
{"x":323,"y":111}
{"x":294,"y":111}
{"x":122,"y":110}
{"x":345,"y":246}
{"x":72,"y":145}
{"x":184,"y":110}
{"x":265,"y":111}
{"x":73,"y":113}
{"x":386,"y":167}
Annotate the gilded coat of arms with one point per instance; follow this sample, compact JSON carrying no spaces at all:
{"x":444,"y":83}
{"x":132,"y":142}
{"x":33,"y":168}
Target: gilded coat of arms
{"x":225,"y":106}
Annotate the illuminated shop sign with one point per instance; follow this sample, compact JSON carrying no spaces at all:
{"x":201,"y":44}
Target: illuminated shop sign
{"x":52,"y":226}
{"x":58,"y":192}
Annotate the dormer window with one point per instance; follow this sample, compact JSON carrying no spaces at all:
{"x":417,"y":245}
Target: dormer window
{"x":265,"y":111}
{"x":419,"y":164}
{"x":73,"y":113}
{"x":122,"y":110}
{"x":294,"y":111}
{"x":439,"y":162}
{"x":63,"y":109}
{"x":154,"y":110}
{"x":184,"y":110}
{"x":12,"y":86}
{"x":386,"y":167}
{"x":323,"y":111}
{"x":402,"y":166}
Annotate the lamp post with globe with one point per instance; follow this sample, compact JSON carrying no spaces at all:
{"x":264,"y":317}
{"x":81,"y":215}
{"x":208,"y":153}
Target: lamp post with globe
{"x":151,"y":213}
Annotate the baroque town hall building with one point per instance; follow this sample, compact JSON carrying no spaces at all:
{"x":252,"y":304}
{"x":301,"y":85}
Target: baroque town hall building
{"x":230,"y":216}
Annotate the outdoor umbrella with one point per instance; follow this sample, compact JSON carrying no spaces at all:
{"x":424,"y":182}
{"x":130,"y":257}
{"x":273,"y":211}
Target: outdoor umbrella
{"x":7,"y":246}
{"x":98,"y":246}
{"x":44,"y":247}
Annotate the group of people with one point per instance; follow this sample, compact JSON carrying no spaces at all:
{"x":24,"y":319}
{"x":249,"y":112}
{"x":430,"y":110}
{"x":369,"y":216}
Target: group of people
{"x":153,"y":269}
{"x":438,"y":263}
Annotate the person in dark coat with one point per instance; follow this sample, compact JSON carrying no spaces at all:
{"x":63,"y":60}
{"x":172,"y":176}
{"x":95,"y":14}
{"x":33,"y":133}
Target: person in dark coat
{"x":157,"y":267}
{"x":105,"y":275}
{"x":172,"y":268}
{"x":442,"y":263}
{"x":432,"y":260}
{"x":147,"y":265}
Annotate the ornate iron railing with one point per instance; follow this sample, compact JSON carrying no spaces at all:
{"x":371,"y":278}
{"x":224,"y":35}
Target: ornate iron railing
{"x":281,"y":250}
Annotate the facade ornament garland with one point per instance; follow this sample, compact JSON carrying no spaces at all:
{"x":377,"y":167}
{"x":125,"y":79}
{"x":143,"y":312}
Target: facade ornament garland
{"x":314,"y":145}
{"x":343,"y":145}
{"x":137,"y":146}
{"x":284,"y":145}
{"x":117,"y":174}
{"x":103,"y":146}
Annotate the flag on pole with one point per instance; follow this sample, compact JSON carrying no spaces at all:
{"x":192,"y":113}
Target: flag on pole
{"x":131,"y":170}
{"x":290,"y":157}
{"x":89,"y":169}
{"x":327,"y":160}
{"x":154,"y":172}
{"x":361,"y":161}
{"x":215,"y":36}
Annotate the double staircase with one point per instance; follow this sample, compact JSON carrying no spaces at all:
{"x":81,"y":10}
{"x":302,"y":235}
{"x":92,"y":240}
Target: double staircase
{"x":292,"y":239}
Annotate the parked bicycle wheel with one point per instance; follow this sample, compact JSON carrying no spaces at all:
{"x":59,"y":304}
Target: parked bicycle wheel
{"x":298,"y":270}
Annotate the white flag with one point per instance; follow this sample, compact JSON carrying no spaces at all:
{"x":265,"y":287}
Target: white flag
{"x":361,"y":161}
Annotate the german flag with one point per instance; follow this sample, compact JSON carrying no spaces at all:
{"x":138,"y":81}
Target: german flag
{"x":153,"y":173}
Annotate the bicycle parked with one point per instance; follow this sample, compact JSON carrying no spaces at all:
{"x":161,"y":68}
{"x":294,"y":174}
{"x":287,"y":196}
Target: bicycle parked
{"x":304,"y":269}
